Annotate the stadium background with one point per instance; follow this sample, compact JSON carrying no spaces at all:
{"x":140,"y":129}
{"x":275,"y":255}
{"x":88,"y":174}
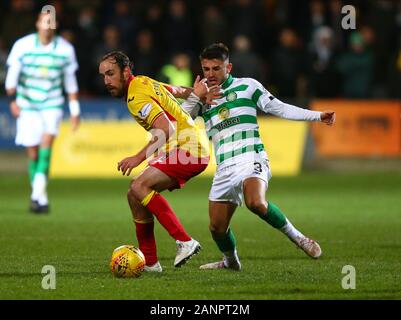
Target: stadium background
{"x":299,"y":51}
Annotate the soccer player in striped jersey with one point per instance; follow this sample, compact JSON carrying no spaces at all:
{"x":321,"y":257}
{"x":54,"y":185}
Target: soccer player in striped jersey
{"x":182,"y":153}
{"x":40,"y":65}
{"x":243,"y":170}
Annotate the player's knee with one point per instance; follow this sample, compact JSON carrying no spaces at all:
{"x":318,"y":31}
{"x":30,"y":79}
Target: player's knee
{"x":217,"y":229}
{"x":134,"y":190}
{"x":257,"y":206}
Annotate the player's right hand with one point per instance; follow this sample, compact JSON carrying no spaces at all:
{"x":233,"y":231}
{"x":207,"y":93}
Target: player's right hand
{"x":127,"y":164}
{"x":15,"y":109}
{"x":328,"y":117}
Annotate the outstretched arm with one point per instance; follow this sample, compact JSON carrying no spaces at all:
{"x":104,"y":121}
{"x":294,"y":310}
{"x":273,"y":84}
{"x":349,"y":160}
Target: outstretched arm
{"x":291,"y":112}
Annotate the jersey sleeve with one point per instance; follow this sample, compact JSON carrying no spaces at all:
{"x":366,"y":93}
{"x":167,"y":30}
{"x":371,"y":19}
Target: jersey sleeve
{"x":16,"y":53}
{"x":71,"y":65}
{"x":270,"y":104}
{"x":14,"y":65}
{"x":145,"y":108}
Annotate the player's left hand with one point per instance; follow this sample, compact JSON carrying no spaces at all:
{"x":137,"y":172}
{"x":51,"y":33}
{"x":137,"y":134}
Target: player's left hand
{"x":126,"y":165}
{"x":328,"y":117}
{"x":75,"y":121}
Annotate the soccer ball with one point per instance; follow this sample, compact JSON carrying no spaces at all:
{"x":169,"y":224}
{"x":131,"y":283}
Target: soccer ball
{"x":127,"y":261}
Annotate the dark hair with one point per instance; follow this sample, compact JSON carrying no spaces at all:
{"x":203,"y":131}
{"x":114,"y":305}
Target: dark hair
{"x":121,"y":59}
{"x":215,"y":51}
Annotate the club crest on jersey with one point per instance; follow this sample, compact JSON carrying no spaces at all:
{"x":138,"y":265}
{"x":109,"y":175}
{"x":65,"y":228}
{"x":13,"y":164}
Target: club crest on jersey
{"x":231,"y":97}
{"x":224,"y":113}
{"x":144,"y":112}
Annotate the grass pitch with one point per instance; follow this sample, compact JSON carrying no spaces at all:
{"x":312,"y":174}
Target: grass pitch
{"x":355,"y":218}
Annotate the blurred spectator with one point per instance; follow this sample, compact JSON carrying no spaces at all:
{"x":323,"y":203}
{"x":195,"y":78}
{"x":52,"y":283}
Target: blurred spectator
{"x":382,"y":17}
{"x":18,"y":21}
{"x":288,"y":65}
{"x":213,"y":26}
{"x":145,"y":56}
{"x":125,"y":20}
{"x":244,"y":17}
{"x":317,"y":19}
{"x":324,"y":77}
{"x":356,"y":67}
{"x":246,"y":62}
{"x":334,"y":21}
{"x":153,"y":21}
{"x":179,"y":33}
{"x":111,"y":42}
{"x":178,"y":72}
{"x":87,"y":40}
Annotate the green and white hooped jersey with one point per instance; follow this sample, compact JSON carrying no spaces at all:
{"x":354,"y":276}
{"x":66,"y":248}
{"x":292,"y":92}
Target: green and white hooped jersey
{"x":41,"y":71}
{"x":232,"y":123}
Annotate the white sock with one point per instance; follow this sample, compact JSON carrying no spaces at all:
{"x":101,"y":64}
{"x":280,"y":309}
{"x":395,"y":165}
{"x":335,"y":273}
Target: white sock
{"x":39,"y":189}
{"x":290,"y":231}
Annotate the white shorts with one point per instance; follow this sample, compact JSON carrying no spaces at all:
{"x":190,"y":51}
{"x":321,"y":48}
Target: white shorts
{"x":32,"y":125}
{"x":228,"y":182}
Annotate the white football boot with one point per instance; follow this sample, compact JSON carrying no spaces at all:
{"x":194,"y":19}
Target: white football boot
{"x":309,"y":246}
{"x":185,"y":251}
{"x":227,"y":263}
{"x":154,"y":268}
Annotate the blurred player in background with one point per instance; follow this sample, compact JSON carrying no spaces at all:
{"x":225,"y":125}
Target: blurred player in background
{"x":40,"y":65}
{"x":182,"y":154}
{"x":243,"y":168}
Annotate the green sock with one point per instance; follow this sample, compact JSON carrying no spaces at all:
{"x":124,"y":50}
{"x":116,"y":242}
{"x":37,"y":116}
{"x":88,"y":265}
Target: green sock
{"x":274,"y":216}
{"x":226,"y":242}
{"x":44,"y":161}
{"x":32,"y":166}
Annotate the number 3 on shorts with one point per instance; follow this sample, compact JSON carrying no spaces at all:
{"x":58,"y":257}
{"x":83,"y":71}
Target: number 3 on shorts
{"x":258,"y":167}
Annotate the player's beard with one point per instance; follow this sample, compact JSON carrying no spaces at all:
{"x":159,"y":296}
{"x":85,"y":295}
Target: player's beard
{"x":118,"y":92}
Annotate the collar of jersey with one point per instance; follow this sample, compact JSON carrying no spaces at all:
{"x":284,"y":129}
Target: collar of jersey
{"x":37,"y":42}
{"x":127,"y":86}
{"x":228,"y":82}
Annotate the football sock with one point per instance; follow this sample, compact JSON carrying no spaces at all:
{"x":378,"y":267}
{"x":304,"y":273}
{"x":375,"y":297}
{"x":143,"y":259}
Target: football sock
{"x":277,"y":219}
{"x":160,"y":208}
{"x":225,"y":242}
{"x":146,"y":240}
{"x":44,"y":160}
{"x":39,"y":183}
{"x":274,"y":216}
{"x":32,"y":169}
{"x":291,"y":232}
{"x":39,"y":189}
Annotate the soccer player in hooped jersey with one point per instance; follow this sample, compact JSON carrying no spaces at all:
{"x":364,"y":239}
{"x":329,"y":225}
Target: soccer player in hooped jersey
{"x":39,"y":66}
{"x":243,"y":171}
{"x":182,"y":153}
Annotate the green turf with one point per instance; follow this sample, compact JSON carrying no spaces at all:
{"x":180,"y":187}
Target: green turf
{"x":356,"y":219}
